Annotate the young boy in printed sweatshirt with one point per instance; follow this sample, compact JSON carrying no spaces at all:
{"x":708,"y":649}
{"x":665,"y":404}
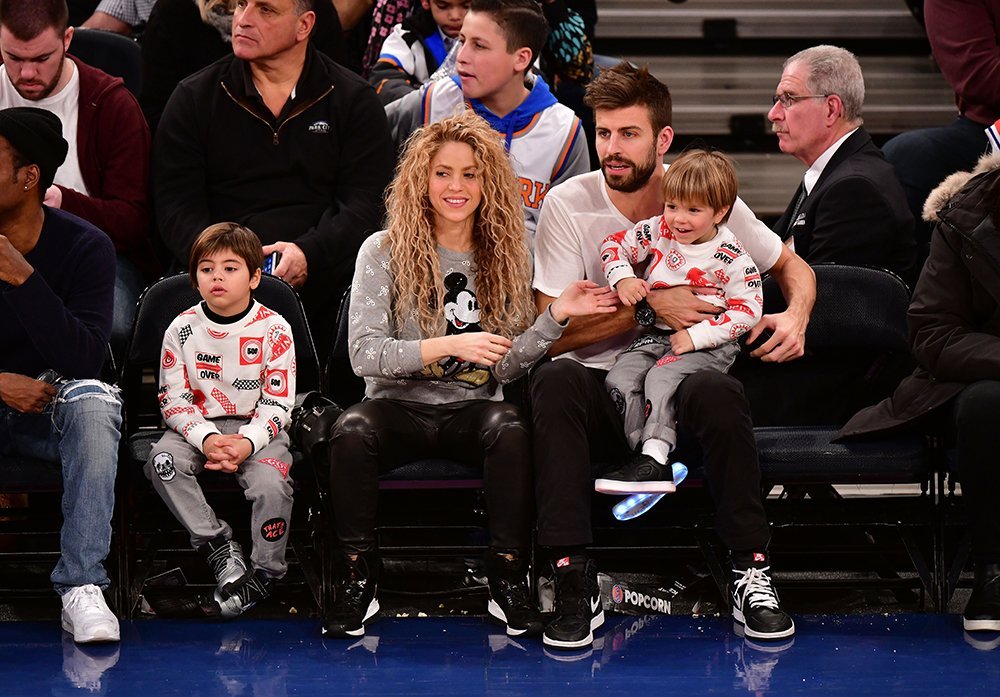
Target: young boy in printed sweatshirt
{"x":688,"y":245}
{"x":501,"y":39}
{"x":227,"y":386}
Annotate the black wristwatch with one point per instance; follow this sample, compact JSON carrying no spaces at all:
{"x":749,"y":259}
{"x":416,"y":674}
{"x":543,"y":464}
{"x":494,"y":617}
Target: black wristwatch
{"x":645,"y":316}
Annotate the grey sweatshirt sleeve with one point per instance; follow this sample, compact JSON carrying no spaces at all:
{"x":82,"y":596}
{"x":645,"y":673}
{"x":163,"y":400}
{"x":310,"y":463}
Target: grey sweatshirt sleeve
{"x":405,"y":115}
{"x":373,"y":350}
{"x":529,"y":347}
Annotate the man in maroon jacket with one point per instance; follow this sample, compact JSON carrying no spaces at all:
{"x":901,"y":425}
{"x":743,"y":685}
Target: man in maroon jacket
{"x":105,"y":178}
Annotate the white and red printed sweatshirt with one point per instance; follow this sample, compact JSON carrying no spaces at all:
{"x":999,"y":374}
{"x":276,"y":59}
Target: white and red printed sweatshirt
{"x":243,"y":369}
{"x":720,"y":264}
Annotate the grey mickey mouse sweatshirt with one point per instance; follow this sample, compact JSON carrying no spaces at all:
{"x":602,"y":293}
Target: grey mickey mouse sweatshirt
{"x":388,"y":357}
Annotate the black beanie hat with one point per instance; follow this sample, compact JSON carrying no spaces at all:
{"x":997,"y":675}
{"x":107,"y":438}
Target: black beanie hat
{"x":37,"y":135}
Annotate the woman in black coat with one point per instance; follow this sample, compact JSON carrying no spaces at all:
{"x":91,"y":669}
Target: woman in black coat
{"x":955,"y":328}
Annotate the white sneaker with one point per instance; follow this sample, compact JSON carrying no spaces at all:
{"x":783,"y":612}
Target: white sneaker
{"x":87,"y":617}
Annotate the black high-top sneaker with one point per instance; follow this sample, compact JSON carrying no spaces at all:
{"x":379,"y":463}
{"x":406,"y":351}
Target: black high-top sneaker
{"x":355,"y":582}
{"x":227,"y":562}
{"x":511,"y":600}
{"x":755,"y":602}
{"x":578,"y":610}
{"x":982,"y":612}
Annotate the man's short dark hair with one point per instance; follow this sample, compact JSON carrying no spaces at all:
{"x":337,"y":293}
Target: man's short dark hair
{"x":26,"y":19}
{"x":302,"y":6}
{"x":521,"y":22}
{"x":626,"y":85}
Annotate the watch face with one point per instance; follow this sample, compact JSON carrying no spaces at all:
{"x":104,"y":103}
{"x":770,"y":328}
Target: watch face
{"x":645,"y":316}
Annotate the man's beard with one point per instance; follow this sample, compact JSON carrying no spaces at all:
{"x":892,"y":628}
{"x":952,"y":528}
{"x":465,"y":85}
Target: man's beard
{"x":48,"y":88}
{"x":632,"y":182}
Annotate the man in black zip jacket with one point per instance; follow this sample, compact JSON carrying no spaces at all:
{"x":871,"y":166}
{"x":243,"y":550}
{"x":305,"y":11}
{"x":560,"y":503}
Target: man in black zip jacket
{"x":281,"y":139}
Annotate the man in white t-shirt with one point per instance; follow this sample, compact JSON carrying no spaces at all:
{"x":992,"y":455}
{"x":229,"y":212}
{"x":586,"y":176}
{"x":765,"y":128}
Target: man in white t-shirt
{"x":105,"y":178}
{"x":575,"y":422}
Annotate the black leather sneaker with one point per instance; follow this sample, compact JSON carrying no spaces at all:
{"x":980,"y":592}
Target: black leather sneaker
{"x":982,"y":612}
{"x":578,"y":610}
{"x":511,"y":600}
{"x":355,"y":582}
{"x":642,"y":475}
{"x":755,"y":601}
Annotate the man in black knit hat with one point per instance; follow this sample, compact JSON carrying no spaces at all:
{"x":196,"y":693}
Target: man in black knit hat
{"x":56,"y":289}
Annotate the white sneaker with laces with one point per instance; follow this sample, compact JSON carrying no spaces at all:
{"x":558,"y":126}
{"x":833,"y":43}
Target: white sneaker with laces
{"x":87,"y":617}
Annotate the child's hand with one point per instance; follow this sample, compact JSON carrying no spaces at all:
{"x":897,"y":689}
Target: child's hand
{"x":226,"y":453}
{"x":631,"y":290}
{"x":211,"y":447}
{"x":680,"y":342}
{"x":581,"y":298}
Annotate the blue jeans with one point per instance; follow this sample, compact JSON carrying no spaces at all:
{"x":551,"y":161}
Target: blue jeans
{"x":80,"y":429}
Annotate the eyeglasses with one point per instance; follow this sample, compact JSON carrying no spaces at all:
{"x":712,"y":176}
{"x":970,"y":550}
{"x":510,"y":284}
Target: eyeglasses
{"x":788,"y":100}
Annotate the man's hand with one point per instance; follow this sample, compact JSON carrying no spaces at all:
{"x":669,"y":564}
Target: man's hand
{"x":293,"y":266}
{"x":681,"y":306}
{"x":680,"y":342}
{"x":24,"y":394}
{"x":53,"y":197}
{"x":226,"y":453}
{"x":14,"y":268}
{"x":788,"y":329}
{"x":788,"y":337}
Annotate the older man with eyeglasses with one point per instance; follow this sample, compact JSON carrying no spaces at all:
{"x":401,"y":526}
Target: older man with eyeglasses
{"x":849,"y":208}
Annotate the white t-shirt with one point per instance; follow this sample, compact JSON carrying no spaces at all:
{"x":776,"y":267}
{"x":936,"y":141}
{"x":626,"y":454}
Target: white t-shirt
{"x":578,"y":214}
{"x":66,"y":105}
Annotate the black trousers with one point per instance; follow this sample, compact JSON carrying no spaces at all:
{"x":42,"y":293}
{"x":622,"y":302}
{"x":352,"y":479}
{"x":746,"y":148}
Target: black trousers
{"x":577,"y":429}
{"x":975,"y":411}
{"x":379,"y":435}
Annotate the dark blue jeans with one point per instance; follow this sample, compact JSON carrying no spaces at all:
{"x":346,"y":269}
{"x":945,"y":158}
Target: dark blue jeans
{"x":80,"y":429}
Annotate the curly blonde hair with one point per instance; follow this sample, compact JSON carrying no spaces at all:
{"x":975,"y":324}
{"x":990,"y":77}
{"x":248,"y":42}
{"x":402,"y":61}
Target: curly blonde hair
{"x":501,"y":258}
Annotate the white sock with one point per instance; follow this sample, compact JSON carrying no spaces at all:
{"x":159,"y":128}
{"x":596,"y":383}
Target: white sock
{"x":657,"y":449}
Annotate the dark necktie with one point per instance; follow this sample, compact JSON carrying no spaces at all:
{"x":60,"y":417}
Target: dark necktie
{"x":799,"y":200}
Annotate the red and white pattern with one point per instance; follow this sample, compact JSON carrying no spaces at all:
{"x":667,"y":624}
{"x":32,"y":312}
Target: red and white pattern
{"x":223,"y":401}
{"x":282,"y":467}
{"x":207,"y":368}
{"x":714,"y":265}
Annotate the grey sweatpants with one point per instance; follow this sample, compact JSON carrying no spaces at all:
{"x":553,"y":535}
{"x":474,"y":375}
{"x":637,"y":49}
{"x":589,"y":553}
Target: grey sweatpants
{"x":645,"y":377}
{"x":173,"y":466}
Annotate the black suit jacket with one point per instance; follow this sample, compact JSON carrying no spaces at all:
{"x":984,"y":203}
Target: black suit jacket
{"x":856,"y":213}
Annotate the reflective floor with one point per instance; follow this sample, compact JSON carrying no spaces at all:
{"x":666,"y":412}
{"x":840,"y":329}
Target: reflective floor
{"x":923,"y":654}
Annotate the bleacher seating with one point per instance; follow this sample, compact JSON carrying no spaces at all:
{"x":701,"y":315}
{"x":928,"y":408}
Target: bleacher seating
{"x":749,"y":19}
{"x":722,"y":60}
